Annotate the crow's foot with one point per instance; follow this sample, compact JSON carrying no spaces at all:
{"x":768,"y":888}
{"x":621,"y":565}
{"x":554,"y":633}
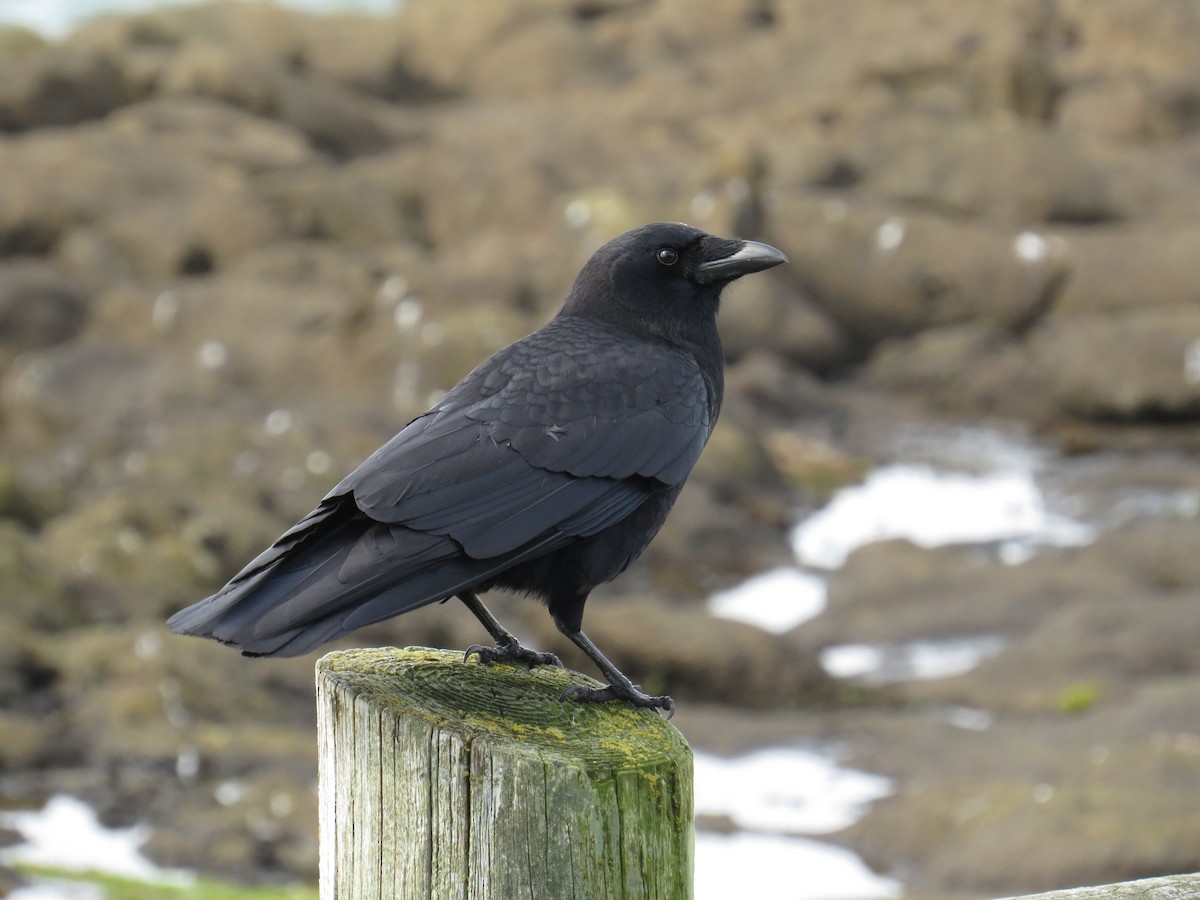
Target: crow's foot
{"x":513,"y":652}
{"x":631,"y":693}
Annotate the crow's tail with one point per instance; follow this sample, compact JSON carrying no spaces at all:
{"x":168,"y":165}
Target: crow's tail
{"x":334,"y":571}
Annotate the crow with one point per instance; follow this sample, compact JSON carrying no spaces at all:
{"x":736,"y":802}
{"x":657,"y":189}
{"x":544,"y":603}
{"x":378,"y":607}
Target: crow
{"x":545,"y":471}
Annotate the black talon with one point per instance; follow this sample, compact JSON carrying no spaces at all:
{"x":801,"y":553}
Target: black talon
{"x":477,"y":649}
{"x":619,"y":685}
{"x":631,"y":694}
{"x":513,"y":652}
{"x":508,"y":648}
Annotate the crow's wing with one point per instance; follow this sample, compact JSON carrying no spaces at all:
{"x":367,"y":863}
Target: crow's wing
{"x":568,"y":430}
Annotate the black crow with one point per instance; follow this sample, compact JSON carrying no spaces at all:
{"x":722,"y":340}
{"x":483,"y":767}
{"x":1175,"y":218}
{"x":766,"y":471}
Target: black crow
{"x":546,"y":471}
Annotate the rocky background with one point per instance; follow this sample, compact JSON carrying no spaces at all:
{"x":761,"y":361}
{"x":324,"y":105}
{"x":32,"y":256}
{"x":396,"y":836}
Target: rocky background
{"x":239,"y":247}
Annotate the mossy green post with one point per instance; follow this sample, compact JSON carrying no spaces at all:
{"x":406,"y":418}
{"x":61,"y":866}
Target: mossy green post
{"x":441,"y":778}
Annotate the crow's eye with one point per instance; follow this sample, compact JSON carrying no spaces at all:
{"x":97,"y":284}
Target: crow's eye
{"x":667,"y":256}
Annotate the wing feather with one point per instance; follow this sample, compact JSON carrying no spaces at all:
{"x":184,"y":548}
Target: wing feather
{"x":521,"y":449}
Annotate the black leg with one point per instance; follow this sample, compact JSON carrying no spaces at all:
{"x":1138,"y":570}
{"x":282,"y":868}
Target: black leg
{"x":507,"y":647}
{"x":619,"y":685}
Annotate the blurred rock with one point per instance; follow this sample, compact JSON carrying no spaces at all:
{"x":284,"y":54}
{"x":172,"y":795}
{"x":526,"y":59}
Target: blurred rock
{"x":59,"y":86}
{"x":766,"y":316}
{"x":1071,"y":777}
{"x":335,"y":120}
{"x":234,"y":140}
{"x":1125,"y":366}
{"x":991,"y":370}
{"x":163,"y":212}
{"x":38,"y":308}
{"x":1160,"y":553}
{"x":879,"y":275}
{"x":1004,"y":172}
{"x":347,"y":206}
{"x":1113,"y":270}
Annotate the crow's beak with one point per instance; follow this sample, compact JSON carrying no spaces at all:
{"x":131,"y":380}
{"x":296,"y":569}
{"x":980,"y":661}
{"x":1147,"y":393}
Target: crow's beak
{"x":751,"y":256}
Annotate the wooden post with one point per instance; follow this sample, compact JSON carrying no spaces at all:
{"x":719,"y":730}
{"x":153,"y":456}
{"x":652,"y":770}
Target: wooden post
{"x":441,"y":779}
{"x":1170,"y":887}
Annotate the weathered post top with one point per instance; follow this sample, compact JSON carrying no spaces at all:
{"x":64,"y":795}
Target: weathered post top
{"x":445,"y":778}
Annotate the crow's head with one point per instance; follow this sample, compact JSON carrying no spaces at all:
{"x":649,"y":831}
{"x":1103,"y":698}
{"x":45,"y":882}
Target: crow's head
{"x":664,"y":272}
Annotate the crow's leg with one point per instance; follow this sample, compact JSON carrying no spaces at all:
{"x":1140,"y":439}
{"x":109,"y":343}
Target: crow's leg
{"x":619,"y":685}
{"x":507,"y":648}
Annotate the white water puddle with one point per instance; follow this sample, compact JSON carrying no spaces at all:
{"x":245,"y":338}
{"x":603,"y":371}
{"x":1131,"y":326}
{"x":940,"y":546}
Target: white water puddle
{"x":785,"y":790}
{"x":928,"y":506}
{"x":918,"y":660}
{"x":65,"y":834}
{"x":55,"y":18}
{"x":783,"y":868}
{"x":775,"y":601}
{"x":933,"y":508}
{"x":776,"y":795}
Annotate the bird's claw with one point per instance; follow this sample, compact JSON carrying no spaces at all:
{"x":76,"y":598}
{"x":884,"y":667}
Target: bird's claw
{"x":632,"y":694}
{"x":511,"y":653}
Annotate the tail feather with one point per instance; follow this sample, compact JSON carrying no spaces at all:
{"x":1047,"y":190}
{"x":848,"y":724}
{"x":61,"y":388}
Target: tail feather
{"x":346,"y":570}
{"x":298,"y":593}
{"x":336,"y":571}
{"x":370,"y":602}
